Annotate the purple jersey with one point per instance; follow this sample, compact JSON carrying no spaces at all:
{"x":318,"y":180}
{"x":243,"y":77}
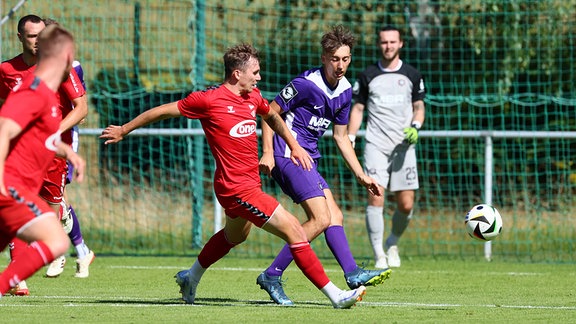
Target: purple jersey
{"x":309,"y":107}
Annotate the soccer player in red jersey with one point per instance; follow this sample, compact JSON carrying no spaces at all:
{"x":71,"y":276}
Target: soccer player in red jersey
{"x":74,"y":107}
{"x":71,"y":95}
{"x":228,"y":117}
{"x":29,"y":139}
{"x":14,"y":70}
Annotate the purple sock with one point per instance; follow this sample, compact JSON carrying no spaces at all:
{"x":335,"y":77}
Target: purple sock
{"x":338,"y":244}
{"x":75,"y":234}
{"x":282,"y":261}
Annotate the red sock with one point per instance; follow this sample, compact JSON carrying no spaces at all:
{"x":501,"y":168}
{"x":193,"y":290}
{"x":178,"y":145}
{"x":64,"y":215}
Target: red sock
{"x":216,"y":248}
{"x":26,"y":263}
{"x":17,"y":246}
{"x":308,"y":262}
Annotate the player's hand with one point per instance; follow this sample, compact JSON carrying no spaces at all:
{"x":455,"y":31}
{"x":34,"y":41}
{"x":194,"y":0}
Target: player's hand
{"x":411,"y":135}
{"x":79,"y":166}
{"x":300,"y":156}
{"x":112,"y":134}
{"x":371,"y":185}
{"x":266,"y":163}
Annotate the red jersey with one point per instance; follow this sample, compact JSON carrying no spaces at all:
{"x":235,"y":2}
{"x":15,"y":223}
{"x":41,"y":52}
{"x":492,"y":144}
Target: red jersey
{"x":229,"y":122}
{"x":69,"y":90}
{"x":12,"y":72}
{"x":35,"y":108}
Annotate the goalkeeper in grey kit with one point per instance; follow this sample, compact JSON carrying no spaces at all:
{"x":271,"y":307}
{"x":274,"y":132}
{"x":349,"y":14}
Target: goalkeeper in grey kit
{"x":392,"y":92}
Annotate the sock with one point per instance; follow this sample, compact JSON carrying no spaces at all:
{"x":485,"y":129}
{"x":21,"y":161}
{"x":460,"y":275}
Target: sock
{"x":215,"y":249}
{"x":35,"y":256}
{"x":338,"y":244}
{"x":197,"y":271}
{"x":375,"y":227}
{"x":75,"y":234}
{"x":82,"y":250}
{"x":17,"y":247}
{"x":399,"y":224}
{"x":281,"y":262}
{"x":308,"y":262}
{"x":332,"y":292}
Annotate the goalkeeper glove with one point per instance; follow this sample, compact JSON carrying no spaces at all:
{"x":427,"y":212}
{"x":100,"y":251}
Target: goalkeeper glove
{"x":412,"y":133}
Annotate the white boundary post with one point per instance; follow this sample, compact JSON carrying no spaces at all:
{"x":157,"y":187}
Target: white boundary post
{"x":488,"y":164}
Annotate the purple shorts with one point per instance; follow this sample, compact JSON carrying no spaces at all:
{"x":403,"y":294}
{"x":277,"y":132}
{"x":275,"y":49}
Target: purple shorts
{"x":296,"y":182}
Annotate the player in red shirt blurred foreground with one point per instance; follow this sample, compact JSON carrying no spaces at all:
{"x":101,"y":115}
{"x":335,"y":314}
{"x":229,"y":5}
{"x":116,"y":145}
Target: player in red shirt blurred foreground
{"x":29,"y":140}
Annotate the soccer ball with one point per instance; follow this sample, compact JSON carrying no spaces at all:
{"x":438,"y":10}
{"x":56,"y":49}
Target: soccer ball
{"x":483,"y":222}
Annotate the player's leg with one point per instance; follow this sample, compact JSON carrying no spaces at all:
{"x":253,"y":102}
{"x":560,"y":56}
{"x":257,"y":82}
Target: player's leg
{"x":376,"y":165}
{"x":234,"y":232}
{"x":40,"y":228}
{"x":375,"y":226}
{"x":338,"y":243}
{"x":52,"y":192}
{"x":16,"y":247}
{"x":286,"y":226}
{"x":403,"y":182}
{"x":71,"y":224}
{"x":305,"y":188}
{"x":400,"y":221}
{"x":318,"y":220}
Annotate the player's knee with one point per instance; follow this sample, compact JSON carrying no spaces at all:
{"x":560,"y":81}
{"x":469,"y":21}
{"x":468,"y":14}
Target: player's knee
{"x":59,"y":245}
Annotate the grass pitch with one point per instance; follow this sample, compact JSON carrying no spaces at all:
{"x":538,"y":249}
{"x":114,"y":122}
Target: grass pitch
{"x":143,"y":290}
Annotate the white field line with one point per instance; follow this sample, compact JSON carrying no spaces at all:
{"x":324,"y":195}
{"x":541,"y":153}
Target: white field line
{"x":146,"y":302}
{"x":293,"y":268}
{"x":258,"y":303}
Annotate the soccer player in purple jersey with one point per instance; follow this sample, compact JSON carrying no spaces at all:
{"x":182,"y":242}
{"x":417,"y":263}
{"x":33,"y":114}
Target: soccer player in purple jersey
{"x":310,"y":104}
{"x":393,"y":93}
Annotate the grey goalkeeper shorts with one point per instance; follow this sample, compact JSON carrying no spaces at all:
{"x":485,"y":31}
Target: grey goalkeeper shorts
{"x":395,"y":171}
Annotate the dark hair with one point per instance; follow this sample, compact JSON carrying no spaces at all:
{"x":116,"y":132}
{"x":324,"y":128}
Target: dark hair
{"x":389,"y":28}
{"x":28,"y":18}
{"x":237,"y":57}
{"x":336,"y":38}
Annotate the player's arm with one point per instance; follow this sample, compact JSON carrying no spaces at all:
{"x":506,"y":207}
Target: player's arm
{"x":299,"y":156}
{"x":77,"y":114}
{"x":417,"y":121}
{"x":114,"y":134}
{"x":419,"y":112}
{"x":340,"y":136}
{"x":66,"y":151}
{"x":8,"y":130}
{"x":267,"y":160}
{"x":356,"y":115}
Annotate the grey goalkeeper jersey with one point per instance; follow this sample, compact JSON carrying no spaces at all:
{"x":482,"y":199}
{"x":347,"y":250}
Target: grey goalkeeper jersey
{"x":388,"y":96}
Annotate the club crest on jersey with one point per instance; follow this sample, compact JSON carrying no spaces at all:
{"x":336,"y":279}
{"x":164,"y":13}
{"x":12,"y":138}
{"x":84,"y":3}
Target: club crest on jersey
{"x":243,"y":128}
{"x":288,"y":93}
{"x":230,"y":109}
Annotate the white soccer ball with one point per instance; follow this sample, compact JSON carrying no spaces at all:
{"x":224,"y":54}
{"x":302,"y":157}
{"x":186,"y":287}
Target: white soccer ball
{"x":483,"y":222}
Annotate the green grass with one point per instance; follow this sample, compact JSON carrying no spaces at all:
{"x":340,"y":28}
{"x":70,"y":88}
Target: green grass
{"x":142,"y":290}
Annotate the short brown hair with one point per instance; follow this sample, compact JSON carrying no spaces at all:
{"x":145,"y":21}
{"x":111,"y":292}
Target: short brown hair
{"x":237,"y":57}
{"x":52,"y":39}
{"x":336,"y":38}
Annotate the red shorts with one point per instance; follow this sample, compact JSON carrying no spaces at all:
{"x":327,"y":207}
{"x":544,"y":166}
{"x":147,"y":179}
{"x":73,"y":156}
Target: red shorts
{"x":255,"y":206}
{"x":20,"y":207}
{"x":54,"y":181}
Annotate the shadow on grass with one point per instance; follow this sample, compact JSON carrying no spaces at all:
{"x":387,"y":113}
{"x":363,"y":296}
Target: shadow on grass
{"x":204,"y":302}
